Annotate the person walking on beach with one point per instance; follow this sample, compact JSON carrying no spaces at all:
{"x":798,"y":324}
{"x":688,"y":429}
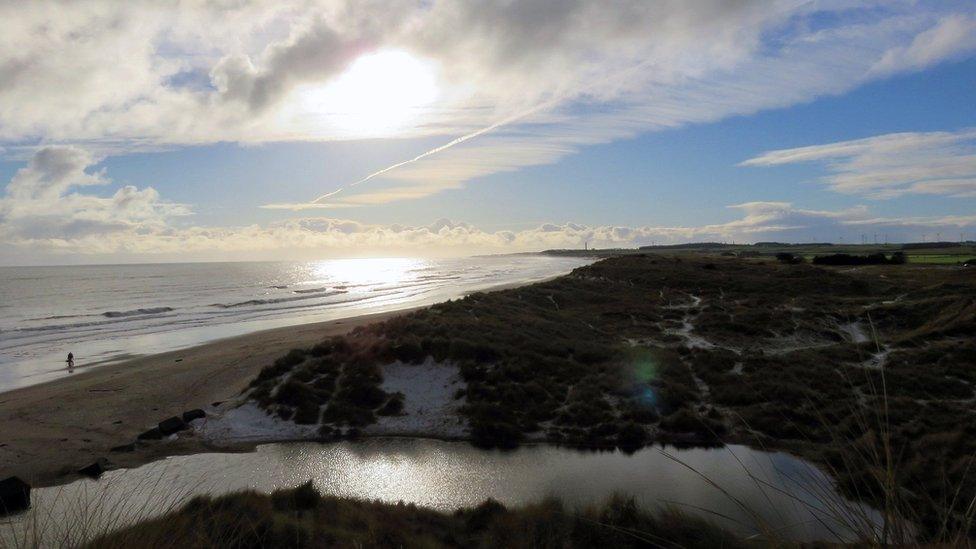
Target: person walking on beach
{"x":71,"y":361}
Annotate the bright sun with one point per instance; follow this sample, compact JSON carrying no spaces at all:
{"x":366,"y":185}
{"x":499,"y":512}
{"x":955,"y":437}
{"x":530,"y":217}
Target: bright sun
{"x":379,"y":92}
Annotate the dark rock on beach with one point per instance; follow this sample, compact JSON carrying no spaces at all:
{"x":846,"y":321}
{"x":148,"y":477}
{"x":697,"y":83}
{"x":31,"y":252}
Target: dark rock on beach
{"x":151,"y":434}
{"x":95,"y":469}
{"x":171,"y":425}
{"x":131,"y":447}
{"x":191,"y":415}
{"x":14,"y":495}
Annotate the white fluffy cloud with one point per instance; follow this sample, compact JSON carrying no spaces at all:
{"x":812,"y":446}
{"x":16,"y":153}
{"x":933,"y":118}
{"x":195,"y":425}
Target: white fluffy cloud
{"x":593,"y":74}
{"x":46,"y":214}
{"x":953,"y":35}
{"x":39,"y":208}
{"x":81,"y":80}
{"x":312,"y":237}
{"x":50,"y":172}
{"x":887,"y":166}
{"x":119,"y":76}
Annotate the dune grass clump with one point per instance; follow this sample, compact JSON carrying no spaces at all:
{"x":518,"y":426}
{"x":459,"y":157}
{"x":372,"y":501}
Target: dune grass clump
{"x":335,"y":382}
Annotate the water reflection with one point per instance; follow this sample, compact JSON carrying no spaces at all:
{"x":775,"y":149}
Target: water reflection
{"x":363,"y":271}
{"x":776,"y":488}
{"x":107,"y":313}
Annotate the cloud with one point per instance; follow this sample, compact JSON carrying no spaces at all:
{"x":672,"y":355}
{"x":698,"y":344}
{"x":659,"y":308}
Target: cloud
{"x":135,"y":223}
{"x":315,"y":52}
{"x":651,"y":71}
{"x":891,"y":165}
{"x":531,"y":82}
{"x":47,"y":213}
{"x":951,"y":37}
{"x":122,"y":76}
{"x":39,"y":208}
{"x":51,"y":171}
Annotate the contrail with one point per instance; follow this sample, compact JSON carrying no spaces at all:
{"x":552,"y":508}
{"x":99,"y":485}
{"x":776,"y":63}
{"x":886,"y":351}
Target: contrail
{"x":462,"y":139}
{"x":504,"y":122}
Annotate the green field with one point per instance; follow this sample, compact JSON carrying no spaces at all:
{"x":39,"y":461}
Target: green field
{"x":942,"y":253}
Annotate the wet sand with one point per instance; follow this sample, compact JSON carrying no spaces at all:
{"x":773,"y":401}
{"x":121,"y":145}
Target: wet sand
{"x":51,"y":430}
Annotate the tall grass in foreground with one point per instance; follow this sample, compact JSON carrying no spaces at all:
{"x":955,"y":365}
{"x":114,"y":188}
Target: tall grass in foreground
{"x":874,"y":465}
{"x":301,"y":517}
{"x":148,"y":516}
{"x":73,"y":515}
{"x":866,"y":465}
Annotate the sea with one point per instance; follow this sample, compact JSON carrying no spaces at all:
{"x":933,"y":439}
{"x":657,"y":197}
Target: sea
{"x":107,"y":313}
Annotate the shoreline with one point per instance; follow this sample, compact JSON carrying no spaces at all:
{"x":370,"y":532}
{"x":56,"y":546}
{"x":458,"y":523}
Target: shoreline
{"x":54,"y":428}
{"x":36,"y":355}
{"x":86,"y":414}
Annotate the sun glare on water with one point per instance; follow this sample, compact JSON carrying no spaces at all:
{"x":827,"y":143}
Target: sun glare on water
{"x":378,"y":93}
{"x":368,"y":271}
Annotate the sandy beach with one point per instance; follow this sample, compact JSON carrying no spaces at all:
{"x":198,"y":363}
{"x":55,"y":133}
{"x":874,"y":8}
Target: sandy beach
{"x":52,"y":429}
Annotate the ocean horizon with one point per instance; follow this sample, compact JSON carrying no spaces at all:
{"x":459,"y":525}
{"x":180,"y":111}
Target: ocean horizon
{"x":107,"y":313}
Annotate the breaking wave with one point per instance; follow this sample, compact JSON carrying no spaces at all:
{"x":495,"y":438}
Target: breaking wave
{"x":253,"y":302}
{"x":137,"y":312}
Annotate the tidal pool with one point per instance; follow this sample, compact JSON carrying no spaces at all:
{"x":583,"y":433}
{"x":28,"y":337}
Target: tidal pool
{"x":746,"y":490}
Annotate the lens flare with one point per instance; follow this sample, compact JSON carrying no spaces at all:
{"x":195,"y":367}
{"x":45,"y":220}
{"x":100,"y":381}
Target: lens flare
{"x":643,"y":365}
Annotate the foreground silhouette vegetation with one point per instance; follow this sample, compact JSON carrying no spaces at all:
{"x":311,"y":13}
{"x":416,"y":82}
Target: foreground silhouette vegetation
{"x":301,"y":517}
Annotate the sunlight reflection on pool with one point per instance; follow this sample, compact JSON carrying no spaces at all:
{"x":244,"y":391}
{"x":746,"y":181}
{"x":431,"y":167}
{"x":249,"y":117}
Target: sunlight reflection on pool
{"x":781,"y":489}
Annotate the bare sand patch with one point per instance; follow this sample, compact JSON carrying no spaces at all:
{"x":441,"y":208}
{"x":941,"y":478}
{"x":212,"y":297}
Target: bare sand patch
{"x":429,"y":406}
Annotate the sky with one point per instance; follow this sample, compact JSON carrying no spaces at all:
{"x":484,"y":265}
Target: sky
{"x":305,"y":129}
